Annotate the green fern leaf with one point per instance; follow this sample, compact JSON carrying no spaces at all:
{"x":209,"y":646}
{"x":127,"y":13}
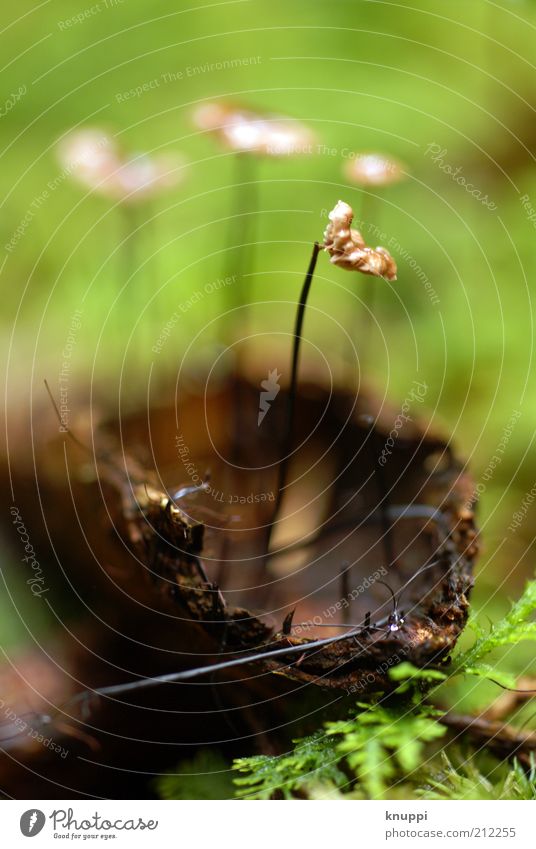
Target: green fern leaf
{"x":514,"y":628}
{"x":313,"y":762}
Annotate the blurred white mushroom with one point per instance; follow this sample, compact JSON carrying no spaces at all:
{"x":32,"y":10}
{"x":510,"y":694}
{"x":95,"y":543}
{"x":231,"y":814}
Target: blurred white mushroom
{"x":93,"y":158}
{"x":90,"y":155}
{"x":143,"y":176}
{"x":374,"y":169}
{"x":242,"y":130}
{"x":347,"y":248}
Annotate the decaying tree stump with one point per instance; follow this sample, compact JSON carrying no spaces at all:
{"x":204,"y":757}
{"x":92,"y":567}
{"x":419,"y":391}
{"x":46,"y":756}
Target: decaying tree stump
{"x":150,"y":568}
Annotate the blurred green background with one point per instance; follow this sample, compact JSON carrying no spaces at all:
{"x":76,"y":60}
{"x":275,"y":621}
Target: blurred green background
{"x":381,"y":76}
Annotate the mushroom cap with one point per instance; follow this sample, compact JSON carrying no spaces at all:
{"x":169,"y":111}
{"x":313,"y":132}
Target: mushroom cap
{"x":375,"y":169}
{"x":244,"y":130}
{"x":95,"y":159}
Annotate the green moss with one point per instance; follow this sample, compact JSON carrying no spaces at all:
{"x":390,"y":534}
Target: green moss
{"x":206,"y":776}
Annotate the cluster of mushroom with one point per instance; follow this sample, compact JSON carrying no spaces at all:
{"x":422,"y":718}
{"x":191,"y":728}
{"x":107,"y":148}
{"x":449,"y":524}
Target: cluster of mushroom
{"x":95,"y":159}
{"x":243,"y":130}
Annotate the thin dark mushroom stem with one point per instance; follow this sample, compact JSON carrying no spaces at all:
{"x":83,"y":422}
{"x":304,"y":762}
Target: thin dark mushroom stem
{"x":291,"y":402}
{"x":395,"y":619}
{"x":345,"y":588}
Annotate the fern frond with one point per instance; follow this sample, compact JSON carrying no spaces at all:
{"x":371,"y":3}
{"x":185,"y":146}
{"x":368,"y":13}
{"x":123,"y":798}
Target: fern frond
{"x":313,"y":762}
{"x":515,"y":627}
{"x":490,"y":673}
{"x":410,"y":676}
{"x":383,"y":742}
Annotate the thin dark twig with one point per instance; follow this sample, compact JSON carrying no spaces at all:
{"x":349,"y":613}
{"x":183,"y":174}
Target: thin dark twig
{"x":509,"y":689}
{"x":291,"y":403}
{"x":188,"y":674}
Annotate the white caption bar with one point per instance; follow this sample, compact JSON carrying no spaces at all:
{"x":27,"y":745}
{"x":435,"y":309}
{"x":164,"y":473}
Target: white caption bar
{"x":235,"y":824}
